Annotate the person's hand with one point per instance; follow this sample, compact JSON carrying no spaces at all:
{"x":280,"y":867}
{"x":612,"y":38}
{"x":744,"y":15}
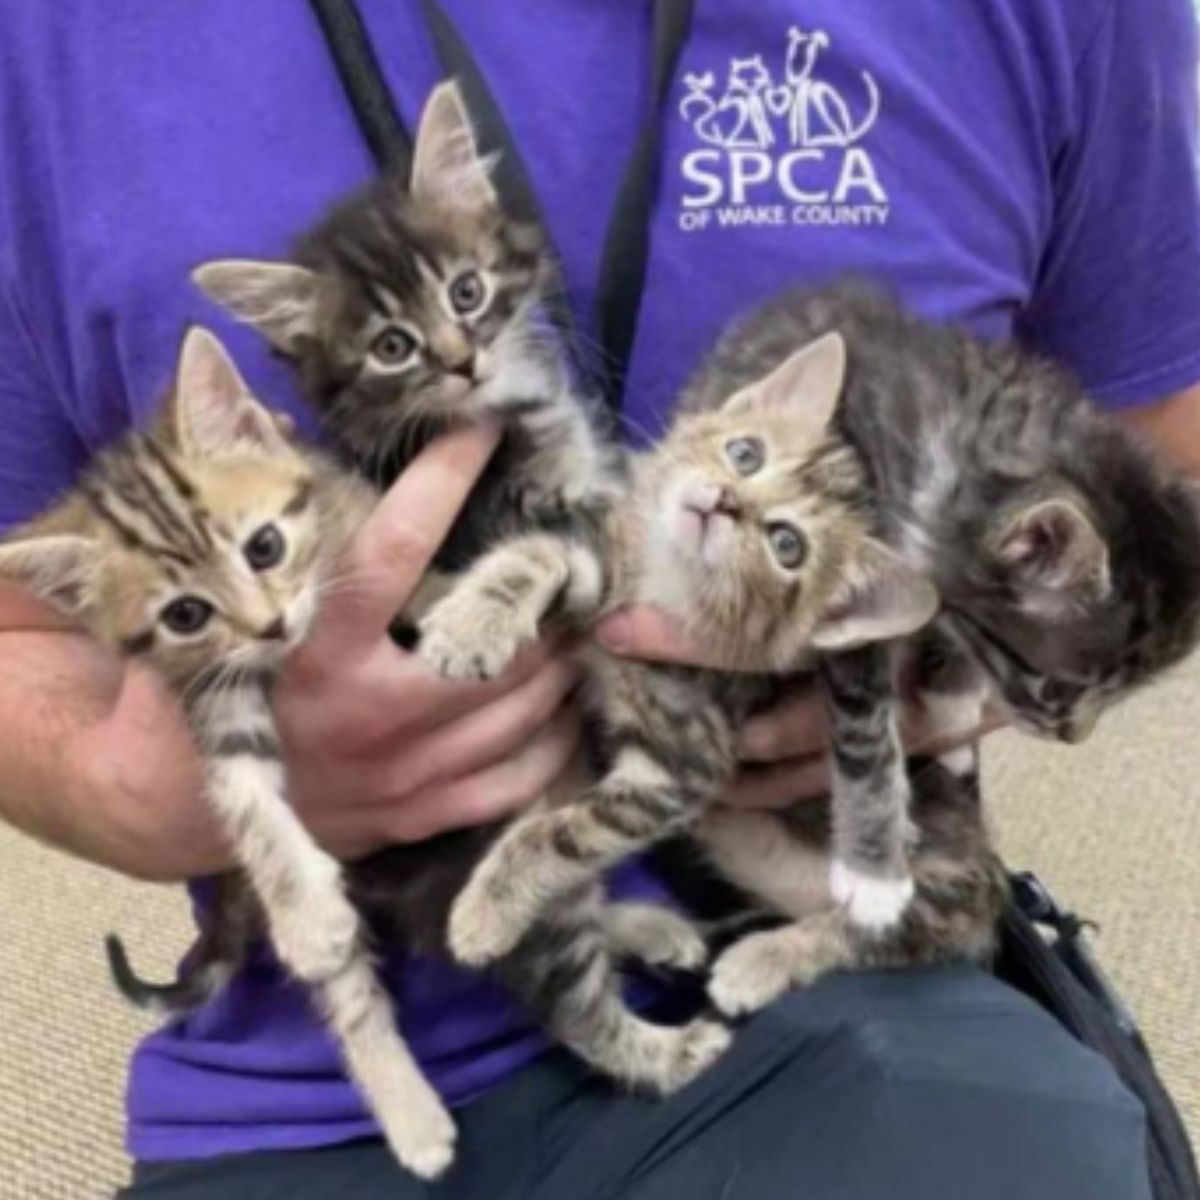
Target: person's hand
{"x":783,"y":750}
{"x":382,"y":750}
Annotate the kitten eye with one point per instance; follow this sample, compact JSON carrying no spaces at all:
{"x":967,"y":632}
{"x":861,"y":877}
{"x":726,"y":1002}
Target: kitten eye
{"x":467,"y":292}
{"x":394,"y":346}
{"x":787,"y":544}
{"x":187,"y":615}
{"x":745,"y":454}
{"x":265,"y":548}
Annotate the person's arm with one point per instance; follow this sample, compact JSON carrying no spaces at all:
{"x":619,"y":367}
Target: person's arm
{"x":1172,"y":426}
{"x":95,"y":758}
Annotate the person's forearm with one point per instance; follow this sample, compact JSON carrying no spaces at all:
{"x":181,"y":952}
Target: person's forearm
{"x":1173,"y":426}
{"x":94,"y":760}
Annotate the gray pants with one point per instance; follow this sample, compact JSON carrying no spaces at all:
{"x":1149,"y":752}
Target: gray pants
{"x":931,"y":1085}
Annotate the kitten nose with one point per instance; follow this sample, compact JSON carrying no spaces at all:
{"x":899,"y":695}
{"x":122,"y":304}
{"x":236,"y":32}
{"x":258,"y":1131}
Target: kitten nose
{"x":464,"y":367}
{"x":727,"y":503}
{"x":275,"y":632}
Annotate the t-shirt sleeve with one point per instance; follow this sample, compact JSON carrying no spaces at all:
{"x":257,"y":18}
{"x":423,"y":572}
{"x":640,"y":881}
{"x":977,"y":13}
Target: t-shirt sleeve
{"x":41,"y":451}
{"x":1118,"y":292}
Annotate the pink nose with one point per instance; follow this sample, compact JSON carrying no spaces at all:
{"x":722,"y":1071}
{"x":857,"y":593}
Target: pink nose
{"x":708,"y":498}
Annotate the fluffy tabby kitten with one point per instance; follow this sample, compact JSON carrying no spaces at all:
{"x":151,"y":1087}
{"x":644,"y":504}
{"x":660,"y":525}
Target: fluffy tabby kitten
{"x":752,"y":522}
{"x":1066,"y":557}
{"x":419,"y":303}
{"x":201,"y":547}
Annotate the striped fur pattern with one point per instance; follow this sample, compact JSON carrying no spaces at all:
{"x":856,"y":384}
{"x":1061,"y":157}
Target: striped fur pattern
{"x":750,"y":522}
{"x":202,"y":547}
{"x":418,"y":304}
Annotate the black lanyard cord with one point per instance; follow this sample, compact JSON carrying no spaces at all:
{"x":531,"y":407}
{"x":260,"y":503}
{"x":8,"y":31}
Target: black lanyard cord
{"x":368,"y":93}
{"x":627,"y":241}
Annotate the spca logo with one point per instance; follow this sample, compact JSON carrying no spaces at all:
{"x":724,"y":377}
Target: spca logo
{"x":780,"y":151}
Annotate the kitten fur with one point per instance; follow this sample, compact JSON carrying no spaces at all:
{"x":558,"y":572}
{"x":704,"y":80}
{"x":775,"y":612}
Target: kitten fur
{"x":201,"y":548}
{"x":1067,"y":557}
{"x":368,"y":311}
{"x":752,"y":523}
{"x":391,"y":351}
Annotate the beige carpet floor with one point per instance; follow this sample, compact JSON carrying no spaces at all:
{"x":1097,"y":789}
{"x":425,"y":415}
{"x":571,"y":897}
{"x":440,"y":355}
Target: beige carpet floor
{"x":1114,"y":826}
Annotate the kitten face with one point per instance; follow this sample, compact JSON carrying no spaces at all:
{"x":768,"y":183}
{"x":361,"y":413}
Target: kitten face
{"x":1067,"y":620}
{"x":409,"y":307}
{"x":243,"y":588}
{"x":195,"y":546}
{"x":755,"y":531}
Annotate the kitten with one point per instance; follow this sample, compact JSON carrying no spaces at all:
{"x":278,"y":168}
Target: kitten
{"x":752,"y":522}
{"x":410,"y":308}
{"x":1066,"y":557}
{"x":201,"y":547}
{"x":418,"y":304}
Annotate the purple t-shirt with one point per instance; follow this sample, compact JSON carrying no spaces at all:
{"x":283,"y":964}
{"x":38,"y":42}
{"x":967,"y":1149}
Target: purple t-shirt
{"x":1020,"y":165}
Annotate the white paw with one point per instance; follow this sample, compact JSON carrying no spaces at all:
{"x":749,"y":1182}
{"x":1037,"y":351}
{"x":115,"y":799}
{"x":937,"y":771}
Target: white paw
{"x":478,"y":931}
{"x":750,"y":975}
{"x":425,"y":1141}
{"x":871,"y":902}
{"x":316,"y":939}
{"x":697,"y":1047}
{"x":474,"y":642}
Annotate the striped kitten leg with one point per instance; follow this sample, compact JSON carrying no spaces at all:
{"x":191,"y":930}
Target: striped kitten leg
{"x":870,"y":874}
{"x":565,"y":970}
{"x":672,"y":754}
{"x":316,"y":932}
{"x":499,"y":603}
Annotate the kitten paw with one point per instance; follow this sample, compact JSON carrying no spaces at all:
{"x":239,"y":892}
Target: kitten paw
{"x":466,"y":637}
{"x":871,"y":902}
{"x":750,"y":975}
{"x":656,"y":937}
{"x":696,"y":1047}
{"x":479,"y":931}
{"x":424,"y":1140}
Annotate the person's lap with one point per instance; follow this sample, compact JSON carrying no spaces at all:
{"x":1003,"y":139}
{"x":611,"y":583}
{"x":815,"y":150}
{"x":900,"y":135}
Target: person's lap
{"x":937,"y":1085}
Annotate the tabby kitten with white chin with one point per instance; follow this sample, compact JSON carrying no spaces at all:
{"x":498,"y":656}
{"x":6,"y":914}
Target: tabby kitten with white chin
{"x":752,"y":522}
{"x":201,"y":547}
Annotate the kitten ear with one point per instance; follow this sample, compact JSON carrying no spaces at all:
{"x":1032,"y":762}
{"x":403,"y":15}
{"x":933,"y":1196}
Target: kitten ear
{"x":809,"y":383}
{"x":211,"y":409}
{"x":882,"y":597}
{"x":55,"y":567}
{"x":279,"y":299}
{"x":1054,"y":545}
{"x":447,"y":168}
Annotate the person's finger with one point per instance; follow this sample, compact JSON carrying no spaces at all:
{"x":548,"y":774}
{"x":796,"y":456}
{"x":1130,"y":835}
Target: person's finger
{"x":485,"y":736}
{"x":492,"y":793}
{"x":642,"y":631}
{"x":922,"y":737}
{"x":780,"y":786}
{"x":400,"y":691}
{"x":394,"y":547}
{"x":794,"y":727}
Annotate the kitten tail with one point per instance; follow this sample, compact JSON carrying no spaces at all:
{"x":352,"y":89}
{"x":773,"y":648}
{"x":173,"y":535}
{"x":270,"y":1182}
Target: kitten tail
{"x":198,"y":982}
